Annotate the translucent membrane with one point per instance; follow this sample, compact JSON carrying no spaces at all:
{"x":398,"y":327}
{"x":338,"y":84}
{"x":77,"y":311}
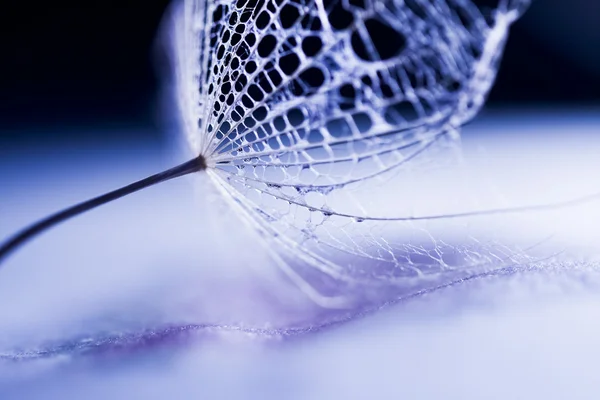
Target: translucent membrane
{"x":309,"y":112}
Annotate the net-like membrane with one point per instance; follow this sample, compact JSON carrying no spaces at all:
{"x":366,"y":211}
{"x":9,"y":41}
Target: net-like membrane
{"x":314,"y":117}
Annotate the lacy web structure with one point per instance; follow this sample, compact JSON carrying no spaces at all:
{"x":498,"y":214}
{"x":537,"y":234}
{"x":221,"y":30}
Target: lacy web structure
{"x":307,"y":111}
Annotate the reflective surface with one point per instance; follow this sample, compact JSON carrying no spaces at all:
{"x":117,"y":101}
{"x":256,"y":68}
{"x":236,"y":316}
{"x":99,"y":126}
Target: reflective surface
{"x":170,"y":256}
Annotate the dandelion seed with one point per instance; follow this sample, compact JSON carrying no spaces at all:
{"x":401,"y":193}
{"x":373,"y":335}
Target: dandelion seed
{"x":300,"y":111}
{"x":307,"y":102}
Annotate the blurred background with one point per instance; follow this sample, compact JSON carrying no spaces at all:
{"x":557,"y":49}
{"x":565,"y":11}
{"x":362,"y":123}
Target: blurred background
{"x":94,"y":64}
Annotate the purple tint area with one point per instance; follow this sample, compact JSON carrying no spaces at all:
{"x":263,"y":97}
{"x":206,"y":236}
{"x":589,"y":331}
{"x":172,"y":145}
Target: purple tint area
{"x":126,"y":344}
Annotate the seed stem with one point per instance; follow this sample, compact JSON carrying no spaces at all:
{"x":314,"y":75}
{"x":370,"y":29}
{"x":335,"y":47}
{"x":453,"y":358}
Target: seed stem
{"x":20,"y":238}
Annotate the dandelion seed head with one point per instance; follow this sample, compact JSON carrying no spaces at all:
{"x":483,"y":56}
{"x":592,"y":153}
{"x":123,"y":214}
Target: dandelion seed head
{"x":304,"y":109}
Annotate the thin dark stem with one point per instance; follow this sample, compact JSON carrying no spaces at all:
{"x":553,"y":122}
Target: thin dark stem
{"x":20,"y":238}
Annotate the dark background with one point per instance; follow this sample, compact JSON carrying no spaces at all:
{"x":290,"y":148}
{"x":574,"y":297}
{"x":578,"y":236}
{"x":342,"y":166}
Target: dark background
{"x":92,"y":64}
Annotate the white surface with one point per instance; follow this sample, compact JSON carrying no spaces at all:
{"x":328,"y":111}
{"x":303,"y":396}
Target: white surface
{"x":157,"y":258}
